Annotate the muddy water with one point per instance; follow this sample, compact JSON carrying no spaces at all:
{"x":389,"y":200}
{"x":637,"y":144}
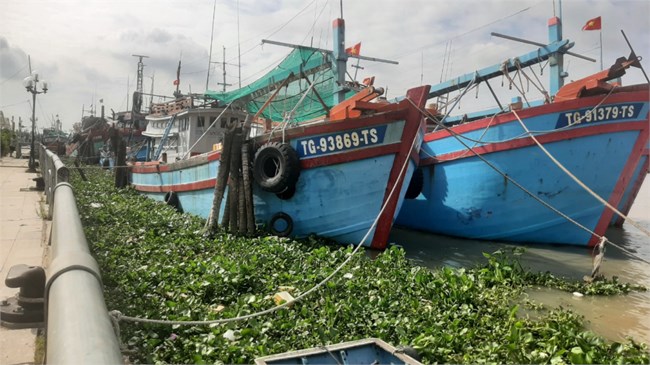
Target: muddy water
{"x":611,"y":317}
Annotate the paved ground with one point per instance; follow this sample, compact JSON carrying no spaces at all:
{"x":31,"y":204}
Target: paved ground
{"x":22,"y":237}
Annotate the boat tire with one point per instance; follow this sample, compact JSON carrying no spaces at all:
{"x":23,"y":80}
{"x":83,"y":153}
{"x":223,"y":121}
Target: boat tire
{"x":278,"y":217}
{"x":288,"y":193}
{"x":171,"y":199}
{"x":415,"y":185}
{"x":276,"y":167}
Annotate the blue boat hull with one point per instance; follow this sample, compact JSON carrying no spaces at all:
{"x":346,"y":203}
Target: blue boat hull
{"x":368,"y":351}
{"x":339,"y":202}
{"x":463,"y":196}
{"x":354,"y":174}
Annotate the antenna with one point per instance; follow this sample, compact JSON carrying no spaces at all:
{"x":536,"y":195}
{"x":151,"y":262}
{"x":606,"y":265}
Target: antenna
{"x":153,"y":75}
{"x":128,"y":78}
{"x":356,"y":69}
{"x":137,"y":100}
{"x":238,"y":52}
{"x":177,"y":82}
{"x":207,"y":81}
{"x":422,"y":69}
{"x":224,"y":84}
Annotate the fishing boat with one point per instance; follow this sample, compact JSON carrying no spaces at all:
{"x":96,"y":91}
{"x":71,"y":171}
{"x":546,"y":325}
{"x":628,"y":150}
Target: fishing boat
{"x":367,"y":351}
{"x":54,"y":139}
{"x":547,"y":172}
{"x":334,"y":164}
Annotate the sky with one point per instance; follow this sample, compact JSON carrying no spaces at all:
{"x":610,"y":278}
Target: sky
{"x":84,"y":48}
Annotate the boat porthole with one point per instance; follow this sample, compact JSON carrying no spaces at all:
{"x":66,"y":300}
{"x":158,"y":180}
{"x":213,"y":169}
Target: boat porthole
{"x":281,"y":224}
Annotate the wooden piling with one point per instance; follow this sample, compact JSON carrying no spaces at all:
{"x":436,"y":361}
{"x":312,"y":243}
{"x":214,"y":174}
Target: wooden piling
{"x":234,"y":172}
{"x":248,"y":191}
{"x":212,"y":224}
{"x":79,"y":170}
{"x":121,"y":171}
{"x":235,"y":167}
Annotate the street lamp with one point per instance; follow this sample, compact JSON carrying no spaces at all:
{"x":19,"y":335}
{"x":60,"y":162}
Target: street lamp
{"x":31,"y":84}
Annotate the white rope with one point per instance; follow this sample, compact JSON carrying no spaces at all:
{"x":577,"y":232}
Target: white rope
{"x":206,"y":131}
{"x":456,"y":101}
{"x":475,"y":141}
{"x":539,"y":88}
{"x":118,"y":316}
{"x":288,"y":116}
{"x":512,"y":82}
{"x":574,"y":178}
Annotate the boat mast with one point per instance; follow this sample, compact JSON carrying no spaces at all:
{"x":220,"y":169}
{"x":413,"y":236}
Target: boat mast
{"x":340,"y":60}
{"x":556,"y":60}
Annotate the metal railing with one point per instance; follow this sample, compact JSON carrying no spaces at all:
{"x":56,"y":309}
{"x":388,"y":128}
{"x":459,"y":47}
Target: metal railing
{"x":79,"y":330}
{"x":53,"y":171}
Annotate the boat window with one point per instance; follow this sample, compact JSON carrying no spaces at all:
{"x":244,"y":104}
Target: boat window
{"x":200,"y":122}
{"x":234,"y":120}
{"x":224,"y":121}
{"x":212,"y":119}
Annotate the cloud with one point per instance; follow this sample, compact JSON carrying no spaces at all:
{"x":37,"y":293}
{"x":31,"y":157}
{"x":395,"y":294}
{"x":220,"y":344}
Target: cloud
{"x":12,"y":60}
{"x":84,"y":48}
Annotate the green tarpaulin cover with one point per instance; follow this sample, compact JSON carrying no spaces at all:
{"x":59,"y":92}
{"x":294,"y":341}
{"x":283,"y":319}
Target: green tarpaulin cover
{"x":313,"y":64}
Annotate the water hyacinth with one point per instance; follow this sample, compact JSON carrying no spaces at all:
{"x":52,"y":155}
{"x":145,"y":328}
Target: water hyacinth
{"x":157,"y":264}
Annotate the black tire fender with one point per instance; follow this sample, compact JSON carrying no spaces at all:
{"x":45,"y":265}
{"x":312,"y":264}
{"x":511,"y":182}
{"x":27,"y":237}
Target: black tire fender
{"x":171,"y":199}
{"x":415,"y":185}
{"x":281,"y":216}
{"x":288,"y":193}
{"x":276,"y":167}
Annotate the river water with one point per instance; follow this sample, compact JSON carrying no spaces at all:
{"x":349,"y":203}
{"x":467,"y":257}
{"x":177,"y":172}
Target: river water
{"x":613,"y":317}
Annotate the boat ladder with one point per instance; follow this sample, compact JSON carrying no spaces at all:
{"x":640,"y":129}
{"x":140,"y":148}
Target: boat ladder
{"x":163,"y":141}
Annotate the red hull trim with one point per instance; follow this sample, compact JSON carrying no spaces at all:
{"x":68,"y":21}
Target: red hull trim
{"x":640,"y":96}
{"x":619,"y":189}
{"x":311,"y":163}
{"x":545,"y":138}
{"x":385,"y":223}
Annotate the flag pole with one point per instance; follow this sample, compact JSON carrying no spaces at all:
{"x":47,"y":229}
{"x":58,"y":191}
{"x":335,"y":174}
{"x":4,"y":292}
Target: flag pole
{"x":601,"y":48}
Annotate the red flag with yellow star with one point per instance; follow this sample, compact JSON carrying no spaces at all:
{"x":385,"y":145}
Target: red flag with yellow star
{"x":592,"y":24}
{"x":354,"y":50}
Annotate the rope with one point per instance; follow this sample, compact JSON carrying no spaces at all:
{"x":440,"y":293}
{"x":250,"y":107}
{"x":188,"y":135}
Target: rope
{"x":288,"y":116}
{"x":455,"y":135}
{"x":117,"y":316}
{"x":539,"y":88}
{"x":574,"y":178}
{"x":476,"y":141}
{"x":456,"y":100}
{"x":537,"y":132}
{"x":513,"y":82}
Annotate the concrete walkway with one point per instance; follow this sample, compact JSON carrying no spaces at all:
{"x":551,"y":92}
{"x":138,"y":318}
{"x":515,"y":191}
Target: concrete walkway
{"x":22,"y":241}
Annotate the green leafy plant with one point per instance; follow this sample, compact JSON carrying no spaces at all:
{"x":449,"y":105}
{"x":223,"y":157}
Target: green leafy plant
{"x":157,"y":264}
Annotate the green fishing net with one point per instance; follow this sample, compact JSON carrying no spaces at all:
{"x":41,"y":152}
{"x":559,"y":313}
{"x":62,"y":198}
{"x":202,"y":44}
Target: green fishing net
{"x":301,"y":63}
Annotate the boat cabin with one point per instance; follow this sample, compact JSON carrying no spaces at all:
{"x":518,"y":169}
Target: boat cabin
{"x":185,"y":131}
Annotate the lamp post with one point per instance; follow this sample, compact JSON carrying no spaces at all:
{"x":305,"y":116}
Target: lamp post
{"x":31,"y":84}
